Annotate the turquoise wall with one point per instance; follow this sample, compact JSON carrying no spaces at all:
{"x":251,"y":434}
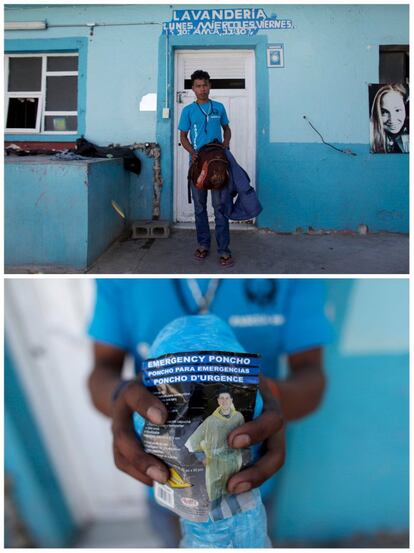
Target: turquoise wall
{"x":331,"y":55}
{"x":347,"y":465}
{"x":107,"y":181}
{"x":121,"y":66}
{"x":310,"y":185}
{"x":60,"y":213}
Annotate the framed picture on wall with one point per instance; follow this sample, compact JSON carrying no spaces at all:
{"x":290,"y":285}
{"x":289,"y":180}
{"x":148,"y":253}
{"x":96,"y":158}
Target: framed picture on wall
{"x":275,"y":55}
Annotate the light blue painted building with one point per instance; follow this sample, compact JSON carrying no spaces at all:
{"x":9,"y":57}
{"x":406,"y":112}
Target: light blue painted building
{"x":309,"y":64}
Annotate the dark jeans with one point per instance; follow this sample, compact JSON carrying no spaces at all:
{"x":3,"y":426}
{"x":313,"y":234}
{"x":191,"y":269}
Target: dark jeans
{"x":201,"y":221}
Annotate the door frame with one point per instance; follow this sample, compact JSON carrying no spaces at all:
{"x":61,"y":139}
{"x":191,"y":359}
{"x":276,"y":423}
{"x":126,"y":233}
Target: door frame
{"x":252,"y":106}
{"x":165,"y":126}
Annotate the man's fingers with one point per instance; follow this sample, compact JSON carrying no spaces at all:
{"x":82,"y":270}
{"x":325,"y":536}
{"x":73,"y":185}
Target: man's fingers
{"x":272,"y":460}
{"x":131,"y":458}
{"x":130,"y":451}
{"x":129,"y":454}
{"x":138,"y":398}
{"x":122,"y":464}
{"x":256,"y":431}
{"x":255,"y":476}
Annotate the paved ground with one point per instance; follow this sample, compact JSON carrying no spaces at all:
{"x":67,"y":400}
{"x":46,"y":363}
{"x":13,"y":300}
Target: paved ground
{"x":255,"y":252}
{"x":118,"y":535}
{"x":261,"y":252}
{"x":133,"y":534}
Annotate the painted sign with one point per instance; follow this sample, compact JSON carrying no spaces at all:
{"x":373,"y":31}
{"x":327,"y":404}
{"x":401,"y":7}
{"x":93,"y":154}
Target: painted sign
{"x":223,"y":21}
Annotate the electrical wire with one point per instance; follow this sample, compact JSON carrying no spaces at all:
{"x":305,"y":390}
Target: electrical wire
{"x":348,"y":152}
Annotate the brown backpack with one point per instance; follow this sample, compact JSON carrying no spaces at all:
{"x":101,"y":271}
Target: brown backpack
{"x":210,"y":170}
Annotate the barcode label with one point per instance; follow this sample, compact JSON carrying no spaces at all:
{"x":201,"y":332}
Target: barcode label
{"x":164,"y":495}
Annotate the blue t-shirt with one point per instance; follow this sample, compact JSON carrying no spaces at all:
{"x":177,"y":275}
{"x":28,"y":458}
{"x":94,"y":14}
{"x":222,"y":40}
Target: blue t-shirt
{"x":204,"y":121}
{"x":129,"y":314}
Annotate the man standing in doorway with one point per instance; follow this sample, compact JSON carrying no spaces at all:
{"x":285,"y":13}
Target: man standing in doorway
{"x":202,"y":122}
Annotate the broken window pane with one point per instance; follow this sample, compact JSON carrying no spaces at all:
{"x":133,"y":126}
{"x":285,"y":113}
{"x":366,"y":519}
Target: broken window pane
{"x":61,"y":123}
{"x":22,"y":113}
{"x":25,"y":74}
{"x":61,"y":93}
{"x":62,"y":63}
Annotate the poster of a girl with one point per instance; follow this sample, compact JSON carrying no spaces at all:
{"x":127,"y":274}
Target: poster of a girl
{"x":389,"y":119}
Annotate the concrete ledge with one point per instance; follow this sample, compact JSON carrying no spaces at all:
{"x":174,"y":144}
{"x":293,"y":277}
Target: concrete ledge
{"x":59,"y":213}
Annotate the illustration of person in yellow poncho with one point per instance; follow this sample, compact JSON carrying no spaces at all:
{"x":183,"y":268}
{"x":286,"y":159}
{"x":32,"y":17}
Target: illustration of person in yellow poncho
{"x":221,"y":461}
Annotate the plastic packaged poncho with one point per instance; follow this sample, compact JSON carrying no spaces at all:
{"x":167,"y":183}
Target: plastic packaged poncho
{"x":209,"y":385}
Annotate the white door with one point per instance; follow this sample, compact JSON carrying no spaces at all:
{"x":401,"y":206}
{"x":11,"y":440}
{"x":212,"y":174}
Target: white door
{"x":45,"y":323}
{"x":233,"y":75}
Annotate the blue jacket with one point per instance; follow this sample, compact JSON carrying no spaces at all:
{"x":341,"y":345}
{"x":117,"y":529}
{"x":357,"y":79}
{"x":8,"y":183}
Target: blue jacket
{"x":238,"y":197}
